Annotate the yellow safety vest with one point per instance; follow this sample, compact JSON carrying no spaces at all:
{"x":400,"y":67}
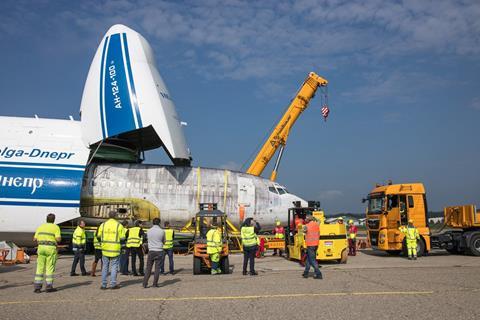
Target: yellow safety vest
{"x":78,"y":239}
{"x":214,"y":241}
{"x":411,"y":233}
{"x":134,"y":240}
{"x":249,"y":238}
{"x":111,"y":232}
{"x":96,"y":244}
{"x":46,"y":234}
{"x":168,"y":239}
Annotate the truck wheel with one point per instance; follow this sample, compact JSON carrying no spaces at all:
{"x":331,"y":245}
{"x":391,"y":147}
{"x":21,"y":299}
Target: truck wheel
{"x":475,"y":245}
{"x":225,"y":266}
{"x":420,"y":248}
{"x":197,"y":265}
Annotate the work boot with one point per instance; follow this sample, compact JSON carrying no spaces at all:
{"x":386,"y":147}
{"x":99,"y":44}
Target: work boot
{"x":414,"y":257}
{"x":409,"y":258}
{"x":244,"y":273}
{"x":94,"y":269}
{"x":253,"y":273}
{"x":305,"y":275}
{"x":73,"y":274}
{"x":103,"y":288}
{"x":213,"y":272}
{"x":318,"y":276}
{"x":37,"y":290}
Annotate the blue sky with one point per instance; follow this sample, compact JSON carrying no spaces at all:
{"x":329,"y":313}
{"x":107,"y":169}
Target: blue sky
{"x":404,"y":87}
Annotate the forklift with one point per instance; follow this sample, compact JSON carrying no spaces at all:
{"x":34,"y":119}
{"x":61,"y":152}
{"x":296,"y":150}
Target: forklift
{"x":332,"y":245}
{"x":207,"y":215}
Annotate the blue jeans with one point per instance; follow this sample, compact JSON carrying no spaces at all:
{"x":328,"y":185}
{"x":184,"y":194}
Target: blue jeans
{"x":169,"y":253}
{"x":109,"y":264}
{"x":312,"y":261}
{"x":124,"y":261}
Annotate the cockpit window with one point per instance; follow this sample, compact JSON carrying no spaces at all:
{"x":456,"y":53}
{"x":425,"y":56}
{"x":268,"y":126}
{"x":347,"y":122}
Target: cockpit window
{"x":281,"y":191}
{"x":272,"y":189}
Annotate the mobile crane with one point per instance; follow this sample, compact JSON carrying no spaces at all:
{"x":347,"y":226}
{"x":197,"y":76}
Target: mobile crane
{"x":278,"y":137}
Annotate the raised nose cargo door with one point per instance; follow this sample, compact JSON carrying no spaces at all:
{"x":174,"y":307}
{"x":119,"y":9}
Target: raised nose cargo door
{"x":125,"y":101}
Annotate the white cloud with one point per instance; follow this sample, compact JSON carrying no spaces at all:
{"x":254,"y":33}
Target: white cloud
{"x":265,"y":39}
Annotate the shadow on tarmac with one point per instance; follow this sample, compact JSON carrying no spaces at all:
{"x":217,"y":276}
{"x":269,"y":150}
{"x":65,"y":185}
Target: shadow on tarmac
{"x":5,"y":269}
{"x":169,"y":282}
{"x":140,"y":281}
{"x":24,"y":284}
{"x":74,"y":285}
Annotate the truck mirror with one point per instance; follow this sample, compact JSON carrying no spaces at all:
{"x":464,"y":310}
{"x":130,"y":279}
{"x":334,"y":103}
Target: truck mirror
{"x":364,"y":200}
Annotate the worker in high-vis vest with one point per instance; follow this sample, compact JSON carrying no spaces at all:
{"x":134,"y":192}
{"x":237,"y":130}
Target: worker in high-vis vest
{"x":214,"y":247}
{"x":250,"y":242}
{"x":411,"y":237}
{"x":79,"y":245}
{"x":279,"y":233}
{"x":167,"y":249}
{"x":97,"y":245}
{"x":46,"y":236}
{"x":352,"y":238}
{"x":312,"y":237}
{"x":135,"y":236}
{"x":124,"y":253}
{"x":111,"y":234}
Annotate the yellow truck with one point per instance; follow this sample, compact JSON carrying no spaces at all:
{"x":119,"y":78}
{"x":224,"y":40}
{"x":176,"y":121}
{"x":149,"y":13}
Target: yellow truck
{"x":332,"y":245}
{"x":392,"y":205}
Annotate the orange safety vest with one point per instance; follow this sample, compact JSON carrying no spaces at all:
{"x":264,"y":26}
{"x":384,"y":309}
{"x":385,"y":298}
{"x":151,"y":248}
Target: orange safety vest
{"x":313,"y":234}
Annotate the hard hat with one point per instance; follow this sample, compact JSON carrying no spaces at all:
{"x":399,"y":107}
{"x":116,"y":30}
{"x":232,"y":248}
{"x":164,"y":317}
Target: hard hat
{"x":277,"y":223}
{"x":340,"y":218}
{"x":410,"y":221}
{"x":350,"y":221}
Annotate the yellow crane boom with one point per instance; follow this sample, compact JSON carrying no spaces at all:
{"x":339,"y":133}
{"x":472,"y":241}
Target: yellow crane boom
{"x":278,"y":137}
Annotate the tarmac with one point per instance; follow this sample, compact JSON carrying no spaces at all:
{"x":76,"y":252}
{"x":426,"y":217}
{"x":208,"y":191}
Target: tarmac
{"x":371,"y":285}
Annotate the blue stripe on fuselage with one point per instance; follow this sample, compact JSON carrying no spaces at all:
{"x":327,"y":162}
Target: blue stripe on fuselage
{"x":45,"y":184}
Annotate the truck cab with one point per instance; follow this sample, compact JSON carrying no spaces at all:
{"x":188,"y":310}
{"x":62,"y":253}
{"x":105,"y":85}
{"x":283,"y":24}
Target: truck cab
{"x":391,"y":206}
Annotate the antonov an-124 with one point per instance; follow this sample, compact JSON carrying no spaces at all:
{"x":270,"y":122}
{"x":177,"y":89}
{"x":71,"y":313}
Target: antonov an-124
{"x":87,"y":168}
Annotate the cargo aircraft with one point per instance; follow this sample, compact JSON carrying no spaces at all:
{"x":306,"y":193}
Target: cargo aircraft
{"x":86,"y":168}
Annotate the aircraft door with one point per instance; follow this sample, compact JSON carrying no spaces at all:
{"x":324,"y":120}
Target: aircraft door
{"x":246,"y":197}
